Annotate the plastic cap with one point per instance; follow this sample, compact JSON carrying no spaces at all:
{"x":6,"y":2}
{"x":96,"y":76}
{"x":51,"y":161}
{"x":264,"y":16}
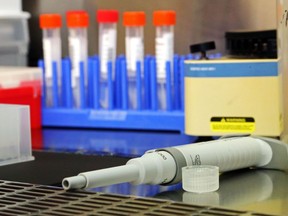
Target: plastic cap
{"x":107,"y":16}
{"x":200,"y":179}
{"x":161,"y":18}
{"x":77,"y":19}
{"x":134,"y":18}
{"x":50,"y":21}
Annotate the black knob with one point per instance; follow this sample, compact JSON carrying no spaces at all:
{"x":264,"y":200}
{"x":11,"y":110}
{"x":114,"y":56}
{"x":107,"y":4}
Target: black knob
{"x":202,"y":48}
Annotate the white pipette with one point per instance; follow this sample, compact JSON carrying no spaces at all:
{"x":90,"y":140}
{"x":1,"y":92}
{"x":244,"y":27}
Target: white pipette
{"x":163,"y":166}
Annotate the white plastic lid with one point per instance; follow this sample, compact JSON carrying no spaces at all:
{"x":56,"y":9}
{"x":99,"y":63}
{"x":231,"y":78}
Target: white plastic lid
{"x":11,"y":77}
{"x":200,"y":178}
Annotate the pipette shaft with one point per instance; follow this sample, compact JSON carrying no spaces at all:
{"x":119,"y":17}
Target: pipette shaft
{"x":163,"y":166}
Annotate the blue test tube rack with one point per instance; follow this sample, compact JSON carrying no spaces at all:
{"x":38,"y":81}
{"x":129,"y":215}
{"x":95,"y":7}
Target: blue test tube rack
{"x":117,"y":115}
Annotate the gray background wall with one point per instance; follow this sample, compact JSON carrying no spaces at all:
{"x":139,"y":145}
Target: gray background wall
{"x":197,"y":20}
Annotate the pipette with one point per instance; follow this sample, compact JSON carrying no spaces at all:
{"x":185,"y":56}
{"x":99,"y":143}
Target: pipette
{"x":163,"y":166}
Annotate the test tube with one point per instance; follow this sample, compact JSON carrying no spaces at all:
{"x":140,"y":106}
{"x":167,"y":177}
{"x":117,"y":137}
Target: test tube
{"x":51,"y":40}
{"x":107,"y":20}
{"x":164,"y":22}
{"x":134,"y":22}
{"x":77,"y":23}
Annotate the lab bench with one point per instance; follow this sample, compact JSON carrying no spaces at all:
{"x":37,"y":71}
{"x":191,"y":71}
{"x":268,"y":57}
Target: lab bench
{"x":66,"y":152}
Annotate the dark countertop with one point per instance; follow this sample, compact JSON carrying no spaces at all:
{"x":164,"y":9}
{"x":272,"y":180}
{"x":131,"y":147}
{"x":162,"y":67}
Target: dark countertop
{"x":49,"y":168}
{"x":62,"y":153}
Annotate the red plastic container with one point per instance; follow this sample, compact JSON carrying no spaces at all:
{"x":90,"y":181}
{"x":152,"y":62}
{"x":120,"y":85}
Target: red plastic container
{"x":22,"y":86}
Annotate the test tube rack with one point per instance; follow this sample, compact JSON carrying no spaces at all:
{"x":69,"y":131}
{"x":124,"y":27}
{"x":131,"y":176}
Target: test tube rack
{"x":117,"y":115}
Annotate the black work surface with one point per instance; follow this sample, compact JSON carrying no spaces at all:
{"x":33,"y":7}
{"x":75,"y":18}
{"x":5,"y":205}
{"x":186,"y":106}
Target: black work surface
{"x":49,"y":168}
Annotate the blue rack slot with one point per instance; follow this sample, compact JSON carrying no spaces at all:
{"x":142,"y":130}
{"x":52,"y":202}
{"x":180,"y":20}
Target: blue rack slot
{"x":139,"y":85}
{"x":176,"y":83}
{"x":55,"y":92}
{"x":147,"y":94}
{"x":168,"y":87}
{"x":118,"y":78}
{"x":82,"y":85}
{"x":124,"y":85}
{"x":90,"y":83}
{"x":67,"y":95}
{"x":110,"y":86}
{"x":153,"y":85}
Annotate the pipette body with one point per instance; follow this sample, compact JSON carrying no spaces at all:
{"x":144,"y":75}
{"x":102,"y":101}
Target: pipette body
{"x":163,"y":166}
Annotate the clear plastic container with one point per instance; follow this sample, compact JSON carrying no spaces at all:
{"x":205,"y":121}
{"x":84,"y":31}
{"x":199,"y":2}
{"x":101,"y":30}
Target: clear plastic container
{"x":77,"y":23}
{"x":134,"y":26}
{"x":51,"y":40}
{"x":107,"y":20}
{"x":200,"y":178}
{"x":15,"y":134}
{"x":164,"y":22}
{"x":11,"y":6}
{"x":14,"y":34}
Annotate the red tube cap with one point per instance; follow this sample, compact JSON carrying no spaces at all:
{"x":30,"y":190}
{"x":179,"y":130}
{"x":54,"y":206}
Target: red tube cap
{"x":107,"y":16}
{"x":50,"y":21}
{"x":76,"y":19}
{"x":134,"y":18}
{"x":161,"y":18}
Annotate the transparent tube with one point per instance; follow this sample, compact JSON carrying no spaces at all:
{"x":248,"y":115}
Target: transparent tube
{"x":164,"y":48}
{"x":78,"y":52}
{"x":52,"y":53}
{"x":107,"y":53}
{"x":134,"y":53}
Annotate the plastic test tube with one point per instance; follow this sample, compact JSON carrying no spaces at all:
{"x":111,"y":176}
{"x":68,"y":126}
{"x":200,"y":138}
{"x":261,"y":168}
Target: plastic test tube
{"x":164,"y":22}
{"x":50,"y":25}
{"x":134,"y":25}
{"x":77,"y":23}
{"x":107,"y":20}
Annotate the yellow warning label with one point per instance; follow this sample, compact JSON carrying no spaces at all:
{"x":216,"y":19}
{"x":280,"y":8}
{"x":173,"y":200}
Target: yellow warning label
{"x":232,"y":124}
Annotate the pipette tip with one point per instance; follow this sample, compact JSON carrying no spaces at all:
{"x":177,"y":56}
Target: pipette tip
{"x":75,"y":182}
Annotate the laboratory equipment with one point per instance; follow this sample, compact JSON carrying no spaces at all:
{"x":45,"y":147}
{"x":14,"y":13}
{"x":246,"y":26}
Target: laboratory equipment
{"x":134,"y":22}
{"x":118,"y":115}
{"x":163,"y":166}
{"x":15,"y":134}
{"x":202,"y":48}
{"x":233,"y":96}
{"x":77,"y":23}
{"x":164,"y":22}
{"x":20,"y":198}
{"x":23,"y":86}
{"x":51,"y":40}
{"x":107,"y":20}
{"x":251,"y":43}
{"x":282,"y":50}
